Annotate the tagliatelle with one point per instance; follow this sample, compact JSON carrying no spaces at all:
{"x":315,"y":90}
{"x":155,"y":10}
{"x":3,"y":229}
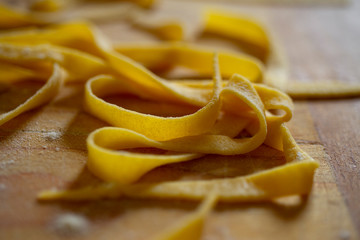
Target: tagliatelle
{"x":322,"y":89}
{"x":11,"y":19}
{"x":190,"y":227}
{"x":43,"y":95}
{"x":221,"y":112}
{"x":137,"y":77}
{"x":245,"y":31}
{"x":168,"y":55}
{"x":293,"y":178}
{"x":79,"y":65}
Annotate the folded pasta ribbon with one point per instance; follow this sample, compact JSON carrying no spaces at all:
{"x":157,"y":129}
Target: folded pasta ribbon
{"x":295,"y":177}
{"x":43,"y":95}
{"x":190,"y":227}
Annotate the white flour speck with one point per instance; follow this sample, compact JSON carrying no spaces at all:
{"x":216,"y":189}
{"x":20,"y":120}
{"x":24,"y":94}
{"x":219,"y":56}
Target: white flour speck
{"x":70,"y":224}
{"x":5,"y":164}
{"x":51,"y":136}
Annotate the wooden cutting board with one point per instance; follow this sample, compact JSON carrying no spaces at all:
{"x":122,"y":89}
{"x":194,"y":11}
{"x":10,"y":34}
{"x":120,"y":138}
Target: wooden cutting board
{"x":45,"y":148}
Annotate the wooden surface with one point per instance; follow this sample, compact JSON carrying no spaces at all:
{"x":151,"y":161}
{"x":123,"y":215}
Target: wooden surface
{"x":321,"y":43}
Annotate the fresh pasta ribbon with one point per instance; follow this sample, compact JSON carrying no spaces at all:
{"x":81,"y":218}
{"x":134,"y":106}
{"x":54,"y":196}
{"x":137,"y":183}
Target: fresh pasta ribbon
{"x":152,"y":126}
{"x":79,"y":65}
{"x":167,"y":55}
{"x":23,"y":57}
{"x":84,"y":37}
{"x":10,"y":18}
{"x":256,"y":39}
{"x":322,"y":89}
{"x":295,"y":177}
{"x":190,"y":227}
{"x":233,"y":26}
{"x":43,"y":95}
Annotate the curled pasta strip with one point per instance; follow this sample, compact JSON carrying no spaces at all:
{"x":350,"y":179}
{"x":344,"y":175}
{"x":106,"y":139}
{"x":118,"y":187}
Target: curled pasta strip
{"x":23,"y":57}
{"x":190,"y":227}
{"x":152,"y":126}
{"x":79,"y":65}
{"x":43,"y":95}
{"x":11,"y":19}
{"x":295,"y":177}
{"x":166,"y":55}
{"x":84,"y":37}
{"x":256,"y":38}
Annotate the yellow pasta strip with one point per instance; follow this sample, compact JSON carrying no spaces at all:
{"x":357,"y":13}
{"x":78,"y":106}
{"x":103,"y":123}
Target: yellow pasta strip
{"x":79,"y":65}
{"x":272,"y":98}
{"x":10,"y":18}
{"x":197,"y":58}
{"x":12,"y":73}
{"x":322,"y":89}
{"x":152,"y":126}
{"x":43,"y":95}
{"x":254,"y":37}
{"x":233,"y":26}
{"x":238,"y":89}
{"x":84,"y":37}
{"x":295,"y":177}
{"x":166,"y":30}
{"x":151,"y":86}
{"x":190,"y":227}
{"x":35,"y":61}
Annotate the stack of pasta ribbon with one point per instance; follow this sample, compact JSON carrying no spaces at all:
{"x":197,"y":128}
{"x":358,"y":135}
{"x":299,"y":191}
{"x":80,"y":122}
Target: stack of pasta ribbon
{"x":249,"y":99}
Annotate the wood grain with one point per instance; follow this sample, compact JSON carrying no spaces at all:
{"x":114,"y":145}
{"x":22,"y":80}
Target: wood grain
{"x":327,"y":130}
